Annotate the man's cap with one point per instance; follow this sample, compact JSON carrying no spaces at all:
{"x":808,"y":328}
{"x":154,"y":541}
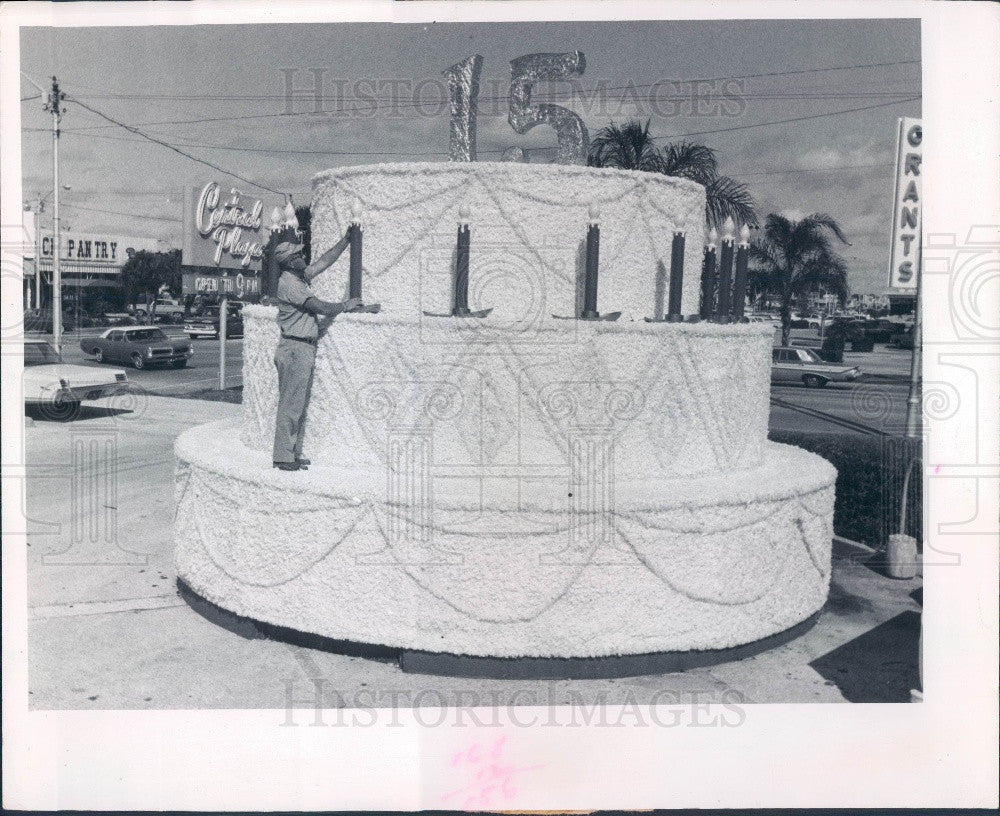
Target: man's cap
{"x":285,"y":250}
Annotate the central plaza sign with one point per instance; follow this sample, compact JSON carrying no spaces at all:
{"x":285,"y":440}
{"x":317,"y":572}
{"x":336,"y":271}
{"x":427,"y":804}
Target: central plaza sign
{"x":223,"y":232}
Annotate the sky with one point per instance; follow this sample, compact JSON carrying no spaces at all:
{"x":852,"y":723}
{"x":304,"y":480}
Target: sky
{"x":218,"y":93}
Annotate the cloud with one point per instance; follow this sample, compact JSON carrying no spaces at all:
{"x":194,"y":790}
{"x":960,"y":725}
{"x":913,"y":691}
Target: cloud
{"x":793,"y":215}
{"x":832,"y":158}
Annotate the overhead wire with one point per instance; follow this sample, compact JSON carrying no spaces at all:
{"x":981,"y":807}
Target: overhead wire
{"x":137,"y":132}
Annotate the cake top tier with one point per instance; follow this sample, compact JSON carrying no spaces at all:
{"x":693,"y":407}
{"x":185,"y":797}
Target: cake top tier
{"x":528,"y":233}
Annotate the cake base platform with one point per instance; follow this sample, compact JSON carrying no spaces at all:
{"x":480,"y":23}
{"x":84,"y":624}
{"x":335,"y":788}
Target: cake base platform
{"x":676,"y":566}
{"x":497,"y":668}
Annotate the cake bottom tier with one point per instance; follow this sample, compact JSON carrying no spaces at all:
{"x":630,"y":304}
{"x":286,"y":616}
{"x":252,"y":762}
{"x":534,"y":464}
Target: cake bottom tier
{"x":662,"y":566}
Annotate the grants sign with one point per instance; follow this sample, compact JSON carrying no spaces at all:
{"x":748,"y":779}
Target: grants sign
{"x":907,"y":204}
{"x":223,"y":230}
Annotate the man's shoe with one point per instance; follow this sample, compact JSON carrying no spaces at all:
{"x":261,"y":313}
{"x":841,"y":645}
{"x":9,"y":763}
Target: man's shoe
{"x":303,"y":462}
{"x":287,"y":465}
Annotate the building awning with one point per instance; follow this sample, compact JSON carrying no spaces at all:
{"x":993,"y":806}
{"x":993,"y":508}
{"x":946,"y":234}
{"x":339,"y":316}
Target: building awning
{"x":89,"y":283}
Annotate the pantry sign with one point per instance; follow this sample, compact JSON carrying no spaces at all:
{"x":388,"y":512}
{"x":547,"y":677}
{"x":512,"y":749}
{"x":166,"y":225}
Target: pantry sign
{"x":223,"y":229}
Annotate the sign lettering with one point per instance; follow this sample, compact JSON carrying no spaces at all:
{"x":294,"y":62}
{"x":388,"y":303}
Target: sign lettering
{"x":223,"y":232}
{"x":99,"y":250}
{"x":237,"y":286}
{"x":904,"y":256}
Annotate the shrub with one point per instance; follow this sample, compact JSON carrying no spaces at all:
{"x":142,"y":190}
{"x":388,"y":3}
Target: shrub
{"x":870,"y":472}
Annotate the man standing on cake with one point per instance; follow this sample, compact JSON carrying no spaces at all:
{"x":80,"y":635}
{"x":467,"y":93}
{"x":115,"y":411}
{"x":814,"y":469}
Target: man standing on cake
{"x":298,"y":313}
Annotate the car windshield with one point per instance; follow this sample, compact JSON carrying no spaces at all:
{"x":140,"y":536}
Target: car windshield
{"x":146,"y":335}
{"x":810,"y":356}
{"x":40,"y":354}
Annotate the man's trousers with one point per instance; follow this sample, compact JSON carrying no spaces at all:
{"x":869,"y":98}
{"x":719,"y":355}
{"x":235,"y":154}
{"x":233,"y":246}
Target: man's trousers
{"x":295,"y":361}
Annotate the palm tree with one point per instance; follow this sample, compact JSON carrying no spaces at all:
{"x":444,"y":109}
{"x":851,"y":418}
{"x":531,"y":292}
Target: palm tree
{"x":793,"y":258}
{"x":630,"y":147}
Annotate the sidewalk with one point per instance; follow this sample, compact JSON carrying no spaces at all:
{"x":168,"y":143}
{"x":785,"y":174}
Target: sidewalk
{"x":108,"y":629}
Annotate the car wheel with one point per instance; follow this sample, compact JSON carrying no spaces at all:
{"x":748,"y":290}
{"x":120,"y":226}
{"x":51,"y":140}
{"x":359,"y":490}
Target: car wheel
{"x":812,"y":381}
{"x":179,"y":363}
{"x":99,"y":355}
{"x":138,"y":361}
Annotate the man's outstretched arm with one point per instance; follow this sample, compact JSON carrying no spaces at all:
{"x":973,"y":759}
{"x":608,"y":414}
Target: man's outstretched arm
{"x":329,"y":308}
{"x":328,"y":258}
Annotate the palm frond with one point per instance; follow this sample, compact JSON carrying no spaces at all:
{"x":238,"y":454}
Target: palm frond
{"x":728,"y":198}
{"x":822,"y":269}
{"x":689,"y":160}
{"x":627,"y":147}
{"x":818,"y":221}
{"x":778,"y":229}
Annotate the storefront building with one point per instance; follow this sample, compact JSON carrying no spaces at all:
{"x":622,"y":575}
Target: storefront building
{"x":89,"y":265}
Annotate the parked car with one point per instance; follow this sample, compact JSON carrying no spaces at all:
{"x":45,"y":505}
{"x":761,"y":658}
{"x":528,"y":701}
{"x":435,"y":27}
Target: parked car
{"x":167,"y":309}
{"x":903,"y":338}
{"x":207,"y":324}
{"x":60,"y":387}
{"x":802,"y":365}
{"x":140,"y":346}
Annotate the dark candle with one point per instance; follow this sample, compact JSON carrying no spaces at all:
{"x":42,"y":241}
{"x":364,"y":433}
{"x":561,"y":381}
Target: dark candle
{"x":676,"y":279}
{"x":590,"y":282}
{"x":461,"y":306}
{"x":740,"y":282}
{"x":725,"y":275}
{"x":354,"y":286}
{"x":708,"y":277}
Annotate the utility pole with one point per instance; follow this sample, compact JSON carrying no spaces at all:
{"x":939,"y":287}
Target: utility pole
{"x":54,"y":106}
{"x":913,"y":399}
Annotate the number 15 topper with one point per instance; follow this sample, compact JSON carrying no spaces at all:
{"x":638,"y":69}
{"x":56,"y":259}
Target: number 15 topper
{"x":463,"y":87}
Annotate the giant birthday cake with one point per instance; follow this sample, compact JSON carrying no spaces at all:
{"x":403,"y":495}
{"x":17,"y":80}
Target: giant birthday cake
{"x":524,"y":484}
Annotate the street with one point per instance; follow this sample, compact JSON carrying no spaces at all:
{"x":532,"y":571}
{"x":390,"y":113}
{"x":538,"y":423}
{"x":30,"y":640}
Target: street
{"x":201,"y":373}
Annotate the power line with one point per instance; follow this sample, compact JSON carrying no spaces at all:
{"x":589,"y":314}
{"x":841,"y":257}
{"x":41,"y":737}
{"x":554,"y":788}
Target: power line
{"x":905,"y":96}
{"x":752,"y":173}
{"x":816,"y":169}
{"x":30,"y":98}
{"x":394,"y":105}
{"x":302,"y":95}
{"x":123,"y":214}
{"x":438,"y":153}
{"x":153,"y":139}
{"x":786,"y":121}
{"x":260,"y":97}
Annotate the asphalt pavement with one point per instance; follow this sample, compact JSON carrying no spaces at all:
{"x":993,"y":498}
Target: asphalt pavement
{"x":200,"y":374}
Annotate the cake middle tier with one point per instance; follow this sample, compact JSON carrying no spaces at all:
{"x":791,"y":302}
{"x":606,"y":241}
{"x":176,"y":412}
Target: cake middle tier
{"x":521,"y":409}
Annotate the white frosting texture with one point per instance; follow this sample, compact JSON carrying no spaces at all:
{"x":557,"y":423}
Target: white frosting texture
{"x":518,"y":485}
{"x":528,"y":227}
{"x":685,"y":564}
{"x":668,"y":399}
